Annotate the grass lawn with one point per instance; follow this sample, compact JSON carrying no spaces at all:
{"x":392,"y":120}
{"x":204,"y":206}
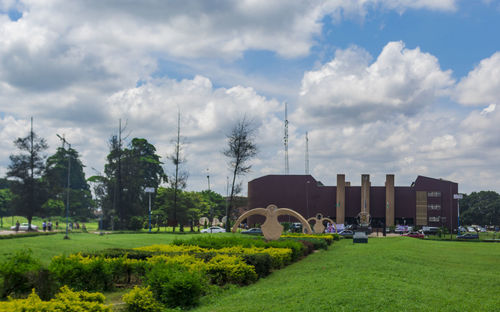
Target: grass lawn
{"x":387,"y":274}
{"x":45,"y":247}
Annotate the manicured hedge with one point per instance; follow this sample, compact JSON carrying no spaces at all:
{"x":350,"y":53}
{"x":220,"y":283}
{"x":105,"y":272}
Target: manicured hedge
{"x":66,"y":300}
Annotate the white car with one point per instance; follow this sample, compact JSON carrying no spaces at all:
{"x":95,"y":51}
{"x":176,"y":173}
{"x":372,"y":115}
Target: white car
{"x":24,"y":227}
{"x":213,"y":229}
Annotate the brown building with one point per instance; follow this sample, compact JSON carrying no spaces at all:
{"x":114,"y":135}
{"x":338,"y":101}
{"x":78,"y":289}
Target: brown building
{"x":427,"y":202}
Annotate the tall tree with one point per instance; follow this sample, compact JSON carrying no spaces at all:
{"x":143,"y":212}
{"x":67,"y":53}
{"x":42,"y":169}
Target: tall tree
{"x":482,"y":208}
{"x":56,"y":175}
{"x":137,"y":167}
{"x":241,"y":148}
{"x":26,"y":169}
{"x":180,"y":176}
{"x":5,"y":203}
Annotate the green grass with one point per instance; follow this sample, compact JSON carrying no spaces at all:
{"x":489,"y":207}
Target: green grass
{"x":45,"y":247}
{"x":387,"y":274}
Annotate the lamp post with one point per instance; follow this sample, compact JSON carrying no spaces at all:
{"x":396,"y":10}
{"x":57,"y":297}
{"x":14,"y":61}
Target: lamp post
{"x":458,"y":197}
{"x":69,"y":171}
{"x":149,"y":190}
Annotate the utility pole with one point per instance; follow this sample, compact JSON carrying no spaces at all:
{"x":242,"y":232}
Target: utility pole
{"x":208,"y":178}
{"x":287,"y":167}
{"x":307,"y":153}
{"x":69,"y":171}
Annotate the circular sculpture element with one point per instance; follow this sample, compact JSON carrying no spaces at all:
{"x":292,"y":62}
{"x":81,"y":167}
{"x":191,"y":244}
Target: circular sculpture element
{"x":271,"y":228}
{"x":318,"y":223}
{"x":204,"y":221}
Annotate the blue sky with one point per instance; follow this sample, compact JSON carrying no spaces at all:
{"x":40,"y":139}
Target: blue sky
{"x":395,"y":86}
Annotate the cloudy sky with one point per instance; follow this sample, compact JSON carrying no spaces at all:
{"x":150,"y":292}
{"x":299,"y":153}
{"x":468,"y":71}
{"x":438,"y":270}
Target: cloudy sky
{"x":410,"y":87}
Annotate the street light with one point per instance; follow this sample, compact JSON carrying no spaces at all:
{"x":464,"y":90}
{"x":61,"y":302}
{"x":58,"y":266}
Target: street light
{"x":69,"y":170}
{"x":149,"y":190}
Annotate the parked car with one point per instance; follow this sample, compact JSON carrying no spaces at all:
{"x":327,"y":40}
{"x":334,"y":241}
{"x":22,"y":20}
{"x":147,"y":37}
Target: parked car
{"x":414,"y":234}
{"x":471,"y":229}
{"x":213,"y":229}
{"x":430,"y":230}
{"x":480,"y":229}
{"x":24,"y":227}
{"x":253,"y":231}
{"x":468,"y":236}
{"x":346,"y":233}
{"x":296,"y":227}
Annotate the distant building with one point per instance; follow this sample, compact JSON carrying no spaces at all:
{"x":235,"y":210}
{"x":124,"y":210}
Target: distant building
{"x":427,"y":202}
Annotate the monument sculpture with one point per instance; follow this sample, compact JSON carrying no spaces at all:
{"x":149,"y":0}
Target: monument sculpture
{"x":318,"y":223}
{"x":204,"y":221}
{"x":271,"y":228}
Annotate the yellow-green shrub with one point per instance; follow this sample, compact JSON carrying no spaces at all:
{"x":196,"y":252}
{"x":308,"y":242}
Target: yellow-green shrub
{"x":224,"y":269}
{"x":65,"y":301}
{"x":141,"y":299}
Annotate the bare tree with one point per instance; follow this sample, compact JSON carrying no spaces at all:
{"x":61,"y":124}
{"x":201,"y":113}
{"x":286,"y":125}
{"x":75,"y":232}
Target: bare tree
{"x":241,"y":148}
{"x":180,"y":178}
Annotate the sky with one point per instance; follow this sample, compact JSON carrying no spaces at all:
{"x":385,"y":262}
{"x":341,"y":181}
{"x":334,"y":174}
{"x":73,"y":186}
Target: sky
{"x":404,"y":87}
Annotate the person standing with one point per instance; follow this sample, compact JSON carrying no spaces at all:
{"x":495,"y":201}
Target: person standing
{"x":44,"y":226}
{"x":17,"y":226}
{"x":49,"y":226}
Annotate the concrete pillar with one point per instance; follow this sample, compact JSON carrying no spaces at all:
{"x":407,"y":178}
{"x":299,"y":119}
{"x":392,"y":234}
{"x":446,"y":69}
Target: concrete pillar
{"x":340,"y":212}
{"x":389,"y":200}
{"x":365,"y":193}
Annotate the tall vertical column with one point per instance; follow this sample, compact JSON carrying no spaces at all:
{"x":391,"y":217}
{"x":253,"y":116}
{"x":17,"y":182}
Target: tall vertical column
{"x":340,"y":199}
{"x":365,"y":193}
{"x":389,"y":200}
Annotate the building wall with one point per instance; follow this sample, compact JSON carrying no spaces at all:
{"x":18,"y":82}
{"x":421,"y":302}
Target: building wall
{"x":308,"y":197}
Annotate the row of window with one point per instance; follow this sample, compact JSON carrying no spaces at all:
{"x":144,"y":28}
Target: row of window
{"x":434,"y":206}
{"x":437,"y":219}
{"x":433,"y":194}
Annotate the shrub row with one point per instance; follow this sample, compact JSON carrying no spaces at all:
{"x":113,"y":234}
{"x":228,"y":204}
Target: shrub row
{"x":65,"y":301}
{"x":329,"y":238}
{"x":27,"y":234}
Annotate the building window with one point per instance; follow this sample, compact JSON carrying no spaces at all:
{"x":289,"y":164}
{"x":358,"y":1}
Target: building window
{"x":434,"y":219}
{"x":434,"y":207}
{"x":433,"y":194}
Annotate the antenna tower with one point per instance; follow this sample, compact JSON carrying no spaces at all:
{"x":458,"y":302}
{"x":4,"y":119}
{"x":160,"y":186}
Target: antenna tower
{"x":287,"y":167}
{"x":307,"y":153}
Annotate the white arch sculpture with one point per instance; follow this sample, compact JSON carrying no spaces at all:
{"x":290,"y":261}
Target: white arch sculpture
{"x":271,"y":228}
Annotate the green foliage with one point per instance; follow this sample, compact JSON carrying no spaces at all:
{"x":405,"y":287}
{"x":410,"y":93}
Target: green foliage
{"x":5,"y":202}
{"x":17,"y":273}
{"x":27,"y":168}
{"x":141,"y":299}
{"x":223,"y":269}
{"x":82,"y":274}
{"x":127,"y":172}
{"x":175,"y":286}
{"x":480,"y":208}
{"x":53,"y":207}
{"x":135,"y":223}
{"x":261,"y":262}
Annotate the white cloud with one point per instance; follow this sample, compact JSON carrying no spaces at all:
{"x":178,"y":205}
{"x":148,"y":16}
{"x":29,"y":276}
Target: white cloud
{"x":399,"y":81}
{"x":481,"y":85}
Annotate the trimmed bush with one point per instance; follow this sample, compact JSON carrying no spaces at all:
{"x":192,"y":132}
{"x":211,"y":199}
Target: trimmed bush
{"x":19,"y":274}
{"x":82,"y":273}
{"x":65,"y":301}
{"x":175,"y":286}
{"x":141,"y":299}
{"x":223,"y":269}
{"x":260,"y":261}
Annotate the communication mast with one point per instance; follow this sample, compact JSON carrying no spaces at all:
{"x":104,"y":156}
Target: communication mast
{"x":307,"y":153}
{"x":287,"y":167}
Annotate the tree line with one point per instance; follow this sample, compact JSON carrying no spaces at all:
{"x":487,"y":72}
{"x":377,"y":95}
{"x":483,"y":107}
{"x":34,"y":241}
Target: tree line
{"x":37,"y":185}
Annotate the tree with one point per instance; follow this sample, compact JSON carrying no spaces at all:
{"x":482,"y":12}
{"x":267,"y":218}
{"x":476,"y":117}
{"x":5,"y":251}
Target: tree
{"x":137,"y":167}
{"x":216,"y":204}
{"x":179,"y":181}
{"x":241,"y":148}
{"x":482,"y":208}
{"x":56,"y":177}
{"x":27,"y":169}
{"x":5,"y":204}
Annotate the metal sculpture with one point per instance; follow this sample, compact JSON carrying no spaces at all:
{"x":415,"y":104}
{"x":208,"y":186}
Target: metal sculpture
{"x":318,"y":225}
{"x":271,"y":228}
